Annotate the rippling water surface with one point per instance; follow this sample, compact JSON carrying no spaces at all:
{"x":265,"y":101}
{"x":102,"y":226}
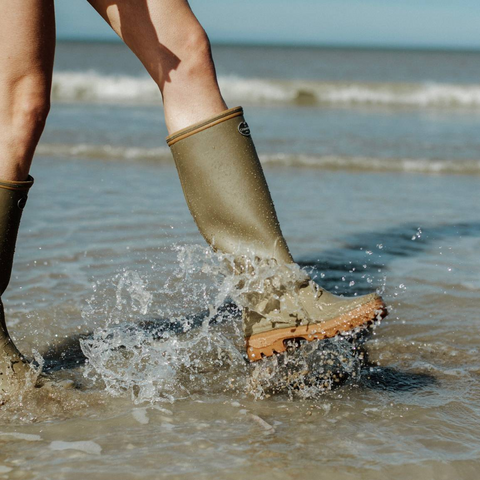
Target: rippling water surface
{"x":116,"y":294}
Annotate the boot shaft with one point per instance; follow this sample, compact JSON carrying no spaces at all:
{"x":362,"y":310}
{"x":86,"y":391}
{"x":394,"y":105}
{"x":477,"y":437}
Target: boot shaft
{"x":225,"y":187}
{"x":13,"y":197}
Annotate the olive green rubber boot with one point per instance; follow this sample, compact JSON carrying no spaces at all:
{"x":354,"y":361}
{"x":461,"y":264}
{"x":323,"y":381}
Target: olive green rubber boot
{"x":228,"y":196}
{"x":13,"y":197}
{"x":225,"y":188}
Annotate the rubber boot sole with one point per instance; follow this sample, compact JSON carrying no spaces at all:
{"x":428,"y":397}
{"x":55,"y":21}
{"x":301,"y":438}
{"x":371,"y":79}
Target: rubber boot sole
{"x":268,"y":343}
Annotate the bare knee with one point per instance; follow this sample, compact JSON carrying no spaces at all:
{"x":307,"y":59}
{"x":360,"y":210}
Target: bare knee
{"x":197,"y":55}
{"x":191,"y":61}
{"x":24,"y":107}
{"x":183,"y":68}
{"x":30,"y":107}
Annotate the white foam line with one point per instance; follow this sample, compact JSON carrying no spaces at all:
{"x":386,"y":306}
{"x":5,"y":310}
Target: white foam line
{"x":96,"y":87}
{"x":103,"y":152}
{"x":329,"y":162}
{"x":375,"y":164}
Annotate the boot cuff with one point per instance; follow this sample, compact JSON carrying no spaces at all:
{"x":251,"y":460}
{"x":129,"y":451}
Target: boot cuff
{"x":17,"y":186}
{"x":198,"y":127}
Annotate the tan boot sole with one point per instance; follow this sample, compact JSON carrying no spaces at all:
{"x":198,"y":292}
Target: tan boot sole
{"x":268,"y":343}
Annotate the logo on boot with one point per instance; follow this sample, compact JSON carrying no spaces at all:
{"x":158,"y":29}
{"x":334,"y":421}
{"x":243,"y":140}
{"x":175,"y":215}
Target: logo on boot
{"x":244,"y":129}
{"x":22,"y":202}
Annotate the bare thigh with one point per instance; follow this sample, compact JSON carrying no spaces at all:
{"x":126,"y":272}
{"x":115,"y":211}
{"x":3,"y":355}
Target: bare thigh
{"x":27,"y":44}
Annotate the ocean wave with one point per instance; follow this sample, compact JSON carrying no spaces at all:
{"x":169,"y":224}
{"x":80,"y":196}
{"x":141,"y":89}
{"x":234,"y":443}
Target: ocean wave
{"x":371,"y":164}
{"x":326,"y":162}
{"x":94,"y":87}
{"x":103,"y":152}
{"x":313,"y":93}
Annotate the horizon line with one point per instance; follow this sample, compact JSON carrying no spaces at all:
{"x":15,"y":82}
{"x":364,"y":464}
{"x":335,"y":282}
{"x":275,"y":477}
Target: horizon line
{"x":273,"y":44}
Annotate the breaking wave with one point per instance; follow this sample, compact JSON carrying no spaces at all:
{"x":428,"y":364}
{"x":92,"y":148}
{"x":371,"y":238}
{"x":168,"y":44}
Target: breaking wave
{"x":370,"y":164}
{"x":94,"y":87}
{"x":327,"y":162}
{"x":103,"y":152}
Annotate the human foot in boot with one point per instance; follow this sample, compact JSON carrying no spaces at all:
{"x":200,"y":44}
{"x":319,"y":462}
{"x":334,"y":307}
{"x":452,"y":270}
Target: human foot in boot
{"x":305,"y":312}
{"x":14,"y":371}
{"x":228,"y":196}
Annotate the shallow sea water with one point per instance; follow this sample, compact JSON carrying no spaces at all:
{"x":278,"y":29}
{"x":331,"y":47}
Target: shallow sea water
{"x":115,"y":292}
{"x":100,"y":254}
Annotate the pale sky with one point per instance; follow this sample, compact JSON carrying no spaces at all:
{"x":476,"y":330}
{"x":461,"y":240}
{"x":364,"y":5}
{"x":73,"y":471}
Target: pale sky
{"x":411,"y":23}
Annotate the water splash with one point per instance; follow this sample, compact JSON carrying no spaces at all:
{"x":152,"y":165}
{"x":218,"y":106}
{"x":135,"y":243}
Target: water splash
{"x":153,"y":348}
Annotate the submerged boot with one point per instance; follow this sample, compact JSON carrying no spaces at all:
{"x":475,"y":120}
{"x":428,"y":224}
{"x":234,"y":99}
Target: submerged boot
{"x":13,"y":197}
{"x":228,"y":196}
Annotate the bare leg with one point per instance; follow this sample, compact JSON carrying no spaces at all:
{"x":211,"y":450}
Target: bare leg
{"x":170,"y":42}
{"x":27,"y":39}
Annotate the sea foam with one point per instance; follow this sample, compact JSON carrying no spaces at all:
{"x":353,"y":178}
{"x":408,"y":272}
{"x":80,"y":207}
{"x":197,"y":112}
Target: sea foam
{"x":326,"y":162}
{"x":92,"y":86}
